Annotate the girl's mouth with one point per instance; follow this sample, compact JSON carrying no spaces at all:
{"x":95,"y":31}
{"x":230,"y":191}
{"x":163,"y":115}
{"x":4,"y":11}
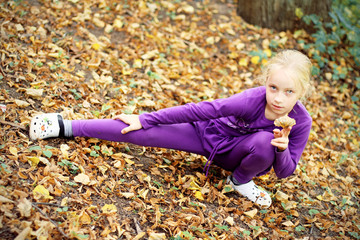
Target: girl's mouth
{"x":277,"y":107}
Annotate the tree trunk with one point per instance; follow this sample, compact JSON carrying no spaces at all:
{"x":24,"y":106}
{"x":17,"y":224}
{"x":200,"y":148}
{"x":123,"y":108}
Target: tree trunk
{"x":280,"y":14}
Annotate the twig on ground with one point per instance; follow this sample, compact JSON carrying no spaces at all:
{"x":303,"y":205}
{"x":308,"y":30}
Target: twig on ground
{"x":49,"y":204}
{"x":52,"y":221}
{"x":12,"y":124}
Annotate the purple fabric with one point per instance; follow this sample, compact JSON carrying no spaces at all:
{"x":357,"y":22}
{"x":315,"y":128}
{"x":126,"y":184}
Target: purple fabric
{"x":221,"y":121}
{"x":233,"y":133}
{"x":177,"y":136}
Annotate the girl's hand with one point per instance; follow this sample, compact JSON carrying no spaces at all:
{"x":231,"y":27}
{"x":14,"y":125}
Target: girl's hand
{"x":281,"y":138}
{"x":132,"y":120}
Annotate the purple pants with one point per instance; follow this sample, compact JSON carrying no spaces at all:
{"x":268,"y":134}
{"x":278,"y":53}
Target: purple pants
{"x":252,"y":156}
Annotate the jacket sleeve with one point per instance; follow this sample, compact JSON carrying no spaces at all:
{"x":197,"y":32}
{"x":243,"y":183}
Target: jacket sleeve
{"x":286,"y":161}
{"x":193,"y":112}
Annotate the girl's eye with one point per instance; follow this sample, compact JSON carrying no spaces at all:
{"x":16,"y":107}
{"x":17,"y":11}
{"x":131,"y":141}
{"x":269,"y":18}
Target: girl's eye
{"x":290,"y":91}
{"x":273,"y":87}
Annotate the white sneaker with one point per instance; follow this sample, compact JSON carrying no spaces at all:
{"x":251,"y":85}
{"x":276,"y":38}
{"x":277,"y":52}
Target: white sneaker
{"x":252,"y":192}
{"x":45,"y":126}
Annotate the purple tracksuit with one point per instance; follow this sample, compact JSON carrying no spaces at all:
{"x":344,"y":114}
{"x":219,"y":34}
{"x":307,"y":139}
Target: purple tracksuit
{"x":232,"y":132}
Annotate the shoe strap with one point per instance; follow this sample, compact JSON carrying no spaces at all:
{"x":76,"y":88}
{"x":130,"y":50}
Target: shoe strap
{"x":61,"y":125}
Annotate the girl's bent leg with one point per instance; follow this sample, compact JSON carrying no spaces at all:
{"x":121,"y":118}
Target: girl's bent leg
{"x":251,"y":157}
{"x":176,"y":136}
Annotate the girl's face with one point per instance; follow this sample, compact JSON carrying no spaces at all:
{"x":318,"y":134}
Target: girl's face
{"x":281,"y":94}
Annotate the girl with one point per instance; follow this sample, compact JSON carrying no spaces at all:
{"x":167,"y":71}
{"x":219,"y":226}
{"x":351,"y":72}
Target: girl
{"x":236,"y":133}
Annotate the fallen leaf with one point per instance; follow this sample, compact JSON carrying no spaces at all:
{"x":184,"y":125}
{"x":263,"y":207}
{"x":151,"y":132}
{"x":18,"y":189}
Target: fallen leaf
{"x":199,"y":195}
{"x":281,"y":196}
{"x":23,"y":234}
{"x":109,"y":208}
{"x":157,"y":236}
{"x":82,"y":178}
{"x":35,"y":93}
{"x":143,"y":193}
{"x":230,"y":220}
{"x":13,"y":151}
{"x":64,"y":150}
{"x":34,"y":161}
{"x":24,"y":207}
{"x":288,"y":223}
{"x":251,"y":213}
{"x":41,"y":192}
{"x":128,"y":194}
{"x":255,"y":59}
{"x":21,"y":104}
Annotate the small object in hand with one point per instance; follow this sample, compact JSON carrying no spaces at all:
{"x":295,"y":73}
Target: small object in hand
{"x":285,"y":122}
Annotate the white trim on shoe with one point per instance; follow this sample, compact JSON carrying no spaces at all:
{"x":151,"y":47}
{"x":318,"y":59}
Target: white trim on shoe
{"x":252,"y":192}
{"x":45,"y":126}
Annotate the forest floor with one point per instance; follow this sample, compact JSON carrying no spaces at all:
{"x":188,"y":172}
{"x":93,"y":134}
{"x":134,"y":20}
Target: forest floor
{"x":97,"y":59}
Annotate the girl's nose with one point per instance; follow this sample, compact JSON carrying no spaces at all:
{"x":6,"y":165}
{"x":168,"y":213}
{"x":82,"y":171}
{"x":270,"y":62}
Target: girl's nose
{"x":278,"y":98}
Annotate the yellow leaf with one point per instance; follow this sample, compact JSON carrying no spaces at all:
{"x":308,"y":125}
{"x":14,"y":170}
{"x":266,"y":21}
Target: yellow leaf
{"x":199,"y":195}
{"x":251,"y":213}
{"x":40,"y":191}
{"x":265,"y":177}
{"x":96,"y":46}
{"x":194,"y":186}
{"x":233,"y":55}
{"x":137,"y":63}
{"x":243,"y":62}
{"x":255,"y":59}
{"x":299,"y":13}
{"x":34,"y":161}
{"x":128,"y":161}
{"x":82,"y":178}
{"x":127,"y":71}
{"x":268,"y":52}
{"x":13,"y":151}
{"x":118,"y":23}
{"x":85,"y":218}
{"x":109,"y":208}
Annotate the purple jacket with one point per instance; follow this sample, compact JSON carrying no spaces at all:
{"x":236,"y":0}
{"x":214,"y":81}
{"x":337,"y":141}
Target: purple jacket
{"x":221,"y":120}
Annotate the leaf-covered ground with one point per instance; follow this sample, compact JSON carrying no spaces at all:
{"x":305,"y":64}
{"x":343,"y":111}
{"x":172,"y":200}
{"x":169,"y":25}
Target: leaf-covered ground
{"x":96,"y":59}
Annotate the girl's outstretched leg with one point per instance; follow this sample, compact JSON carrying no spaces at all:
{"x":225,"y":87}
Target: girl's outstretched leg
{"x":176,"y":136}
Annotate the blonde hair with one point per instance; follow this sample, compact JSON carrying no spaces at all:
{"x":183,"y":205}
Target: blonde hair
{"x":297,"y":67}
